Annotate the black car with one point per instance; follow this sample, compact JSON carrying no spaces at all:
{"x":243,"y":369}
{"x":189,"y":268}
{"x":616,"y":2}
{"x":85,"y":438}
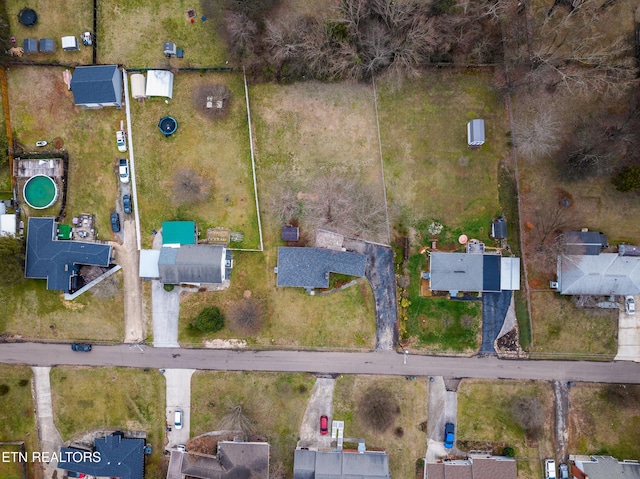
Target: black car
{"x":115,"y":222}
{"x":126,"y":204}
{"x":85,"y":348}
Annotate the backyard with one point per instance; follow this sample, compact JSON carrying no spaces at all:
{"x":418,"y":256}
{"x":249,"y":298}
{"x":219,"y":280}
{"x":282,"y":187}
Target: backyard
{"x":217,"y":150}
{"x":485,"y":418}
{"x":127,"y":399}
{"x":405,"y":440}
{"x":273,"y":405}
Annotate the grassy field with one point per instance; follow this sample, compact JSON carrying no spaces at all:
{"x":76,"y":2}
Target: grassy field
{"x":134,"y":31}
{"x":559,"y":327}
{"x":17,"y":422}
{"x":405,"y":442}
{"x":484,"y":415}
{"x":429,"y":170}
{"x":12,"y":466}
{"x":274,"y":404}
{"x":437,"y":323}
{"x":292,"y":318}
{"x":55,"y":20}
{"x":217,"y":150}
{"x":32,"y":311}
{"x":605,"y":419}
{"x":84,"y":399}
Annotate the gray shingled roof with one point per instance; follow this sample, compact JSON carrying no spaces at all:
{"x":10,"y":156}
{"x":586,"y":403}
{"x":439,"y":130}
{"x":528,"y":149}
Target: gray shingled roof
{"x":192,"y":264}
{"x":584,"y":242}
{"x":97,"y":84}
{"x":118,"y":457}
{"x":607,"y":467}
{"x":310,"y":267}
{"x":308,"y":464}
{"x":55,"y":260}
{"x":604,"y":274}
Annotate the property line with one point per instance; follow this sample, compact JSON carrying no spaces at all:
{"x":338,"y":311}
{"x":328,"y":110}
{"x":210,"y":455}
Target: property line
{"x":7,"y":122}
{"x":384,"y":186}
{"x":132,"y":165}
{"x":253,"y":162}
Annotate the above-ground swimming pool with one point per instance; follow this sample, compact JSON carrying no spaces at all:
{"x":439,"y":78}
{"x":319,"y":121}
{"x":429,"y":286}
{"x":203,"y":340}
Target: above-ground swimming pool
{"x":40,"y":192}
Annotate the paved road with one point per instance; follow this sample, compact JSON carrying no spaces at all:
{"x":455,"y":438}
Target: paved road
{"x":378,"y":362}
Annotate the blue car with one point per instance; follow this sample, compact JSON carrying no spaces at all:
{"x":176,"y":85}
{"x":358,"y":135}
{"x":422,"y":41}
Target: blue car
{"x":126,"y":204}
{"x":449,"y":435}
{"x":115,"y":222}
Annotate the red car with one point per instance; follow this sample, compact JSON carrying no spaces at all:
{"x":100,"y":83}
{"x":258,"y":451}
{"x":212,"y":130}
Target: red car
{"x":324,"y":425}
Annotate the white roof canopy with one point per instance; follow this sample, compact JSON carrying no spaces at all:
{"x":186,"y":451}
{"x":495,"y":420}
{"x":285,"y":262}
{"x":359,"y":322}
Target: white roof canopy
{"x":160,"y":83}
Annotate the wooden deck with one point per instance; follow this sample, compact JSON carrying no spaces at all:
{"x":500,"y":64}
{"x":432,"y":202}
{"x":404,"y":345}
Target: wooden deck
{"x":26,"y":168}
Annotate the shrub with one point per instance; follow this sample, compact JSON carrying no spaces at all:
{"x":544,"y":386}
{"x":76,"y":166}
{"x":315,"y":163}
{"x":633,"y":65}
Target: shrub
{"x":378,"y":409}
{"x":4,"y":389}
{"x":508,"y":451}
{"x":210,"y":320}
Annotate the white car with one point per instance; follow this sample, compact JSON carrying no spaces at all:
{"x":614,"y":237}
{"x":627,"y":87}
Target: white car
{"x":630,"y":305}
{"x":550,"y":469}
{"x":177,"y":420}
{"x":121,"y":140}
{"x":123,"y":170}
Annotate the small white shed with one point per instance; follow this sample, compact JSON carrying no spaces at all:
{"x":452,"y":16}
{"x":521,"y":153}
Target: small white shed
{"x":159,"y":83}
{"x":7,"y":225}
{"x":70,"y":43}
{"x":475,"y":133}
{"x":138,"y":86}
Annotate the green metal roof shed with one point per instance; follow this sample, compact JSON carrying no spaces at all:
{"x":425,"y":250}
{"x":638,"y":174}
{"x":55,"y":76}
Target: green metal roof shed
{"x":178,"y":232}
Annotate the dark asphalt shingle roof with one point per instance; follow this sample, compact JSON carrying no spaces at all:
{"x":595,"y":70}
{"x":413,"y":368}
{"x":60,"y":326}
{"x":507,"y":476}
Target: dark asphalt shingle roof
{"x":118,"y":457}
{"x":97,"y":84}
{"x":584,"y":242}
{"x":308,"y":464}
{"x":290,"y":233}
{"x":310,"y":267}
{"x":53,"y":260}
{"x":192,"y":264}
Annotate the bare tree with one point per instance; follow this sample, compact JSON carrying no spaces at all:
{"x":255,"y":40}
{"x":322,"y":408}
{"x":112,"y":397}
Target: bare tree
{"x":378,"y":409}
{"x":284,"y":203}
{"x":190,"y":187}
{"x":528,"y":413}
{"x":236,"y":419}
{"x":539,"y":135}
{"x":246,"y":315}
{"x":242,"y":31}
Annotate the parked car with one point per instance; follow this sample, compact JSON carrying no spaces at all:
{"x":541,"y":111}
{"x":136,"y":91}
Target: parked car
{"x":549,"y":469}
{"x":177,"y":419}
{"x":181,"y":448}
{"x":123,"y":170}
{"x":564,"y":471}
{"x":84,"y":348}
{"x":630,"y":305}
{"x":115,"y":222}
{"x":449,"y":435}
{"x":126,"y":204}
{"x":121,"y":140}
{"x":41,"y":143}
{"x":73,"y":474}
{"x":324,"y":425}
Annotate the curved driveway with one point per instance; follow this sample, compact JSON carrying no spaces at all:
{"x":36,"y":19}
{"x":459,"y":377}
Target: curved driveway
{"x":378,"y":362}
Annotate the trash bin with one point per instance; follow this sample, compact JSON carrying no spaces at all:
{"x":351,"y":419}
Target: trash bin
{"x":180,"y":53}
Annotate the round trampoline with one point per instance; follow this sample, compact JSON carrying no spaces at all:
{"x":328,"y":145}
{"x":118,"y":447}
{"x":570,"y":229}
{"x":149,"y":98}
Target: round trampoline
{"x":168,"y":125}
{"x":28,"y":17}
{"x":40,"y":192}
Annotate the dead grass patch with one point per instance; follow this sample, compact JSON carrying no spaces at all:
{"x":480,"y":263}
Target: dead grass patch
{"x":560,"y":327}
{"x":605,"y":419}
{"x":404,"y":447}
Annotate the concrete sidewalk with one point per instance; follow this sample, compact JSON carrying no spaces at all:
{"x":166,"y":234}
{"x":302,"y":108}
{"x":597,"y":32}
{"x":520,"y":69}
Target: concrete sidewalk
{"x":628,"y":336}
{"x":50,"y":439}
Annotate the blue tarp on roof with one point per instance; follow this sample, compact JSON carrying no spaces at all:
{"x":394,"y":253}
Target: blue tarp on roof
{"x":310,"y":267}
{"x":58,"y":261}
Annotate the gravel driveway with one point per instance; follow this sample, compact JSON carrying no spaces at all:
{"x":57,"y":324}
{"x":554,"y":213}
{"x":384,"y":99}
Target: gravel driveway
{"x":320,"y":403}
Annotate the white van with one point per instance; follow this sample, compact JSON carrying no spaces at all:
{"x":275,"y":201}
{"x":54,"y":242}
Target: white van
{"x":550,"y":469}
{"x":177,"y":421}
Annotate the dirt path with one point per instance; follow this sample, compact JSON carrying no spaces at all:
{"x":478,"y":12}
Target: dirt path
{"x":49,"y":437}
{"x":126,"y":255}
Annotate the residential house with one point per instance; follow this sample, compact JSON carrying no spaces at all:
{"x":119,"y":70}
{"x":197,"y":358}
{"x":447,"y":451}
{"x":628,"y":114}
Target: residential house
{"x":476,"y":466}
{"x":111,"y":456}
{"x":584,"y":242}
{"x":194,"y":264}
{"x":603,"y":275}
{"x":97,"y":86}
{"x":59,"y":261}
{"x":603,"y":467}
{"x":310,"y":267}
{"x":234,"y":459}
{"x":313,"y":464}
{"x":473,"y":271}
